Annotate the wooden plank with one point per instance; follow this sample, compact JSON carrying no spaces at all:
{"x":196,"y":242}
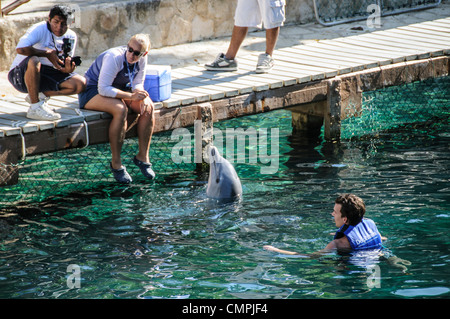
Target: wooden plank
{"x":290,"y":72}
{"x":348,"y":55}
{"x":215,"y":81}
{"x":305,"y":71}
{"x":58,"y":104}
{"x":275,"y":80}
{"x":443,"y":20}
{"x":442,"y":24}
{"x":248,"y":77}
{"x":424,"y":38}
{"x":385,"y":41}
{"x":17,"y":114}
{"x":407,"y":54}
{"x":335,"y":55}
{"x":200,"y":92}
{"x":395,"y":57}
{"x":383,"y":58}
{"x":435,"y":47}
{"x":238,"y":79}
{"x":420,"y":30}
{"x":17,"y":121}
{"x":324,"y":60}
{"x":202,"y":95}
{"x":184,"y":100}
{"x":11,"y":111}
{"x":198,"y":96}
{"x":8,"y":129}
{"x":400,"y":41}
{"x":204,"y":86}
{"x":312,"y":68}
{"x":66,"y":98}
{"x":172,"y":102}
{"x":341,"y":68}
{"x":430,"y":26}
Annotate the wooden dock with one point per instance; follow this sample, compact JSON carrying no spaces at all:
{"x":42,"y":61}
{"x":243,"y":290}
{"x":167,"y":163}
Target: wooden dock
{"x":304,"y":76}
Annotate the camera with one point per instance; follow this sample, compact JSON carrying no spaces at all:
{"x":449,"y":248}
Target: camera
{"x":66,"y":48}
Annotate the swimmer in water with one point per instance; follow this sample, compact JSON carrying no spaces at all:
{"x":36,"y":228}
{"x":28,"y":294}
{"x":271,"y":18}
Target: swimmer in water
{"x":355,"y":232}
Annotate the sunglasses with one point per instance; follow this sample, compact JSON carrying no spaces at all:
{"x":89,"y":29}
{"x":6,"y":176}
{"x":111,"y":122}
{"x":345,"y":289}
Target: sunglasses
{"x":135,"y":52}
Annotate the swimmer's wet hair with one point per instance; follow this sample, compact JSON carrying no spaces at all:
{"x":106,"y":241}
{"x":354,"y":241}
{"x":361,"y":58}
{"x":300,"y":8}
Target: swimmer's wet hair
{"x":353,"y":208}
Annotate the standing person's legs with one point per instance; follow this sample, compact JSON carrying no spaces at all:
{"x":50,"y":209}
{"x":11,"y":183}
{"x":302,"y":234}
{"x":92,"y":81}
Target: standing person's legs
{"x":247,"y":14}
{"x":237,"y":37}
{"x":273,"y":15}
{"x":271,"y":40}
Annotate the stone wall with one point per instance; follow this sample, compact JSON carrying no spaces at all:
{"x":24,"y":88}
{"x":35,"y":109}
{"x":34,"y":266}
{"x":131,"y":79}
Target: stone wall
{"x":168,"y":22}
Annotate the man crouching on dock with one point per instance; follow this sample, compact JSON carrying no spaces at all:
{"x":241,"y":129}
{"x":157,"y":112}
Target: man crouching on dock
{"x":44,"y":65}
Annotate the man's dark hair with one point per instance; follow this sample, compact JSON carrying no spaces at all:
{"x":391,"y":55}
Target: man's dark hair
{"x":353,"y":208}
{"x":63,"y":11}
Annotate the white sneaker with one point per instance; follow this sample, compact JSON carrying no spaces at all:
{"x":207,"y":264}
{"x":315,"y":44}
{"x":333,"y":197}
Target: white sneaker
{"x":42,"y":112}
{"x":41,"y":97}
{"x":221,"y":63}
{"x":265,"y":63}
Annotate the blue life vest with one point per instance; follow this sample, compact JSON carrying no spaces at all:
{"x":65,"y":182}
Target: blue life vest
{"x":364,"y":235}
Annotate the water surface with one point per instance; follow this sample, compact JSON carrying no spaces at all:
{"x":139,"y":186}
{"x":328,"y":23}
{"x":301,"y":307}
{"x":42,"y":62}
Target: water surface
{"x":165,"y":239}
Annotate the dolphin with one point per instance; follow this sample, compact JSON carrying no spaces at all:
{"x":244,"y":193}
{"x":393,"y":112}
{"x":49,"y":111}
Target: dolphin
{"x":223,"y":181}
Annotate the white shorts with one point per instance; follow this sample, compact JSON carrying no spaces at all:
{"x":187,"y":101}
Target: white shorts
{"x":253,"y":13}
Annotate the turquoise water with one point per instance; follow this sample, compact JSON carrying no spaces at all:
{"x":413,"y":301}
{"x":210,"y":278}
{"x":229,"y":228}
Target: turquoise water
{"x":165,"y":239}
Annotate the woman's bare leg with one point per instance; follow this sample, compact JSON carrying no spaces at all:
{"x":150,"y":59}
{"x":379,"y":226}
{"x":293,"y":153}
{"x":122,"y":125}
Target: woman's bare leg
{"x":119,"y":110}
{"x":144,"y":129}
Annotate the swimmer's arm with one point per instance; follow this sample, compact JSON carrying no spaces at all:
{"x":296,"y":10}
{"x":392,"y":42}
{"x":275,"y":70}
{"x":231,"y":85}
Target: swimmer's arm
{"x":288,"y":252}
{"x":281,"y":251}
{"x":337,"y":244}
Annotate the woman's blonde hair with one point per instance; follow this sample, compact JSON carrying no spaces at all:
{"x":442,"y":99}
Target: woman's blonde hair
{"x":143,"y":40}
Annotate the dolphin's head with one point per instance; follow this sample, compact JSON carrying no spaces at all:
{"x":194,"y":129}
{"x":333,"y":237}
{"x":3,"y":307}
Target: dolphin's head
{"x":223,"y":182}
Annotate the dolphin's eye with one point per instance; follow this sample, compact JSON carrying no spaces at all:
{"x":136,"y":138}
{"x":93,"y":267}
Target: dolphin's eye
{"x":217,"y":180}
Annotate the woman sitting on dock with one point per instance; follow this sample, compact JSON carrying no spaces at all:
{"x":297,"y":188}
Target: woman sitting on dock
{"x":115,"y":82}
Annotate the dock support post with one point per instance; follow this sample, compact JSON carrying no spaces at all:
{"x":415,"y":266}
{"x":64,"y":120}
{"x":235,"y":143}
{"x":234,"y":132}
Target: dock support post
{"x":344,"y":99}
{"x":10,"y":155}
{"x":203,"y":132}
{"x":332,"y":116}
{"x":308,"y":118}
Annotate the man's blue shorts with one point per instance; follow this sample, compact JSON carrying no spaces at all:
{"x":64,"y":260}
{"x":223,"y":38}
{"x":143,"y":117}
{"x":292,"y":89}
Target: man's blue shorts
{"x":51,"y":78}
